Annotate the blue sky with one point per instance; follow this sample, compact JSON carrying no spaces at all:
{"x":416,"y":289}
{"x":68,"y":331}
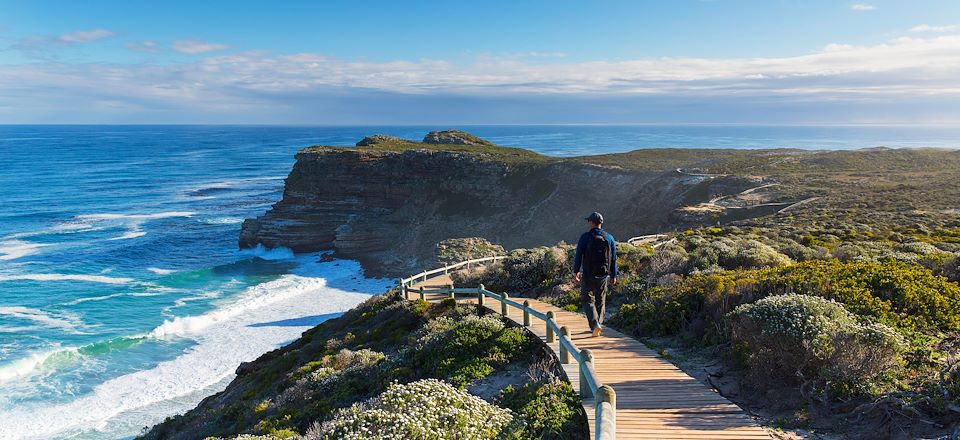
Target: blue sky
{"x":419,"y":62}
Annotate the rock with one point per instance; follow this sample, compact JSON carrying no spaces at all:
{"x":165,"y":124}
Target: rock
{"x":245,"y":367}
{"x":389,"y":208}
{"x":454,"y":137}
{"x":376,"y":139}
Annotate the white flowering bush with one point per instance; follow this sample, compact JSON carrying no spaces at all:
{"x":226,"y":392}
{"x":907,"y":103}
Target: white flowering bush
{"x":426,"y":409}
{"x":816,"y":340}
{"x":919,"y":247}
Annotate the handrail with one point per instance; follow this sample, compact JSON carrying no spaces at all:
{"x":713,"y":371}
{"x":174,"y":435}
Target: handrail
{"x":449,"y":267}
{"x":605,"y":402}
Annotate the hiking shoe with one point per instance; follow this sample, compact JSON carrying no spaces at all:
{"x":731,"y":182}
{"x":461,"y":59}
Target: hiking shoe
{"x":596,"y":331}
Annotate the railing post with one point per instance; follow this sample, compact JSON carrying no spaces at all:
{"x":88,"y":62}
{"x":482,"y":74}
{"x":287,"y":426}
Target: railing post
{"x":450,"y":286}
{"x":606,"y":416}
{"x":480,"y":295}
{"x":526,"y":313}
{"x":503,"y":304}
{"x":564,"y":354}
{"x":403,"y":291}
{"x":422,"y":296}
{"x":550,"y":336}
{"x":587,"y":357}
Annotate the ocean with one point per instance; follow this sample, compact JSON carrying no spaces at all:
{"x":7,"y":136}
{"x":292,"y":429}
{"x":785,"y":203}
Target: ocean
{"x":124,"y":298}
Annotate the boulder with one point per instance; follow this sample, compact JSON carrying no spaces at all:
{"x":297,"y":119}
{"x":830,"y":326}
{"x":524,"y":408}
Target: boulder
{"x":376,"y":139}
{"x":454,"y":137}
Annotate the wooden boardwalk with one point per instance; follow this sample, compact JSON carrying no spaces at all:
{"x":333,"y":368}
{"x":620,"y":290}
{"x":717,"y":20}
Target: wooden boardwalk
{"x":655,"y":399}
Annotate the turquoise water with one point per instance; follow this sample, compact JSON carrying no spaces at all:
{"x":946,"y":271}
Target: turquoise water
{"x":123,"y":298}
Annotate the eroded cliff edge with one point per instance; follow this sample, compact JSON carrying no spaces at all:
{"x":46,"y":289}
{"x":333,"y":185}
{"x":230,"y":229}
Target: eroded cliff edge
{"x":389,"y":202}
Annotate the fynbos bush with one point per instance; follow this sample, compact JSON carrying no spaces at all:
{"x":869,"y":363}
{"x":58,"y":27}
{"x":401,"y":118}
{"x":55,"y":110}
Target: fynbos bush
{"x":815,"y":340}
{"x":550,"y":410}
{"x":522,"y":270}
{"x":467,"y":349}
{"x":424,"y":409}
{"x":455,"y":250}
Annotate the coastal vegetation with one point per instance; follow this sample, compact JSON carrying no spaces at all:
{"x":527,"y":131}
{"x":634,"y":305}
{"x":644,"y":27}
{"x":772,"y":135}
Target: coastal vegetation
{"x":818,"y":289}
{"x":392,"y":368}
{"x":864,"y":326}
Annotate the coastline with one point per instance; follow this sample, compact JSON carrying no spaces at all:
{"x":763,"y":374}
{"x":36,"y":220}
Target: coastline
{"x":141,"y":265}
{"x":241,"y":329}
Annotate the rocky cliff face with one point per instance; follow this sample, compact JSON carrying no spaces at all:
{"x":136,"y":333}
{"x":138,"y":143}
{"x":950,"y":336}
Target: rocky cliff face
{"x":389,"y":207}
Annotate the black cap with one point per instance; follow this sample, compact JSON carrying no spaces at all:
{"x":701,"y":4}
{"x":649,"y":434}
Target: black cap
{"x":595,"y":217}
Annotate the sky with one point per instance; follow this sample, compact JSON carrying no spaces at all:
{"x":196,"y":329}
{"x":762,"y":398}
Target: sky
{"x":480,"y":62}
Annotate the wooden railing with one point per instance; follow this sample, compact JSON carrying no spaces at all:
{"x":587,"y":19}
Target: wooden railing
{"x":605,"y":400}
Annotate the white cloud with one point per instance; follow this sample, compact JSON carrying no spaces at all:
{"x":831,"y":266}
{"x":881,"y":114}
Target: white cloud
{"x":148,"y":46}
{"x":905,"y":69}
{"x":925,"y":28}
{"x":195,"y":47}
{"x":85,"y":36}
{"x":862,"y":7}
{"x":44,"y":46}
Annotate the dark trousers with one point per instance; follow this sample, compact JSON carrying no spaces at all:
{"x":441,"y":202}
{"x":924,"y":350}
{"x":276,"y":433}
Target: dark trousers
{"x":593,"y":299}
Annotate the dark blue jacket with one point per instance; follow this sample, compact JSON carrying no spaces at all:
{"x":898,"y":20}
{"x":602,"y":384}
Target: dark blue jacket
{"x":582,"y":244}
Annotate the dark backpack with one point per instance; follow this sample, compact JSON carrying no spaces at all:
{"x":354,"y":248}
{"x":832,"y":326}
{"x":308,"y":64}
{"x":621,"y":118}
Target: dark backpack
{"x":597,"y":256}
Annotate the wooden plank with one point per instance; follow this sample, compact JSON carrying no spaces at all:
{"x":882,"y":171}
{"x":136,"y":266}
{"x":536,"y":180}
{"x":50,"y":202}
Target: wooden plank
{"x":655,"y":399}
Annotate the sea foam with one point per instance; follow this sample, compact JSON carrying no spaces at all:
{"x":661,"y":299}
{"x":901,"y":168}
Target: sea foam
{"x":240,"y":330}
{"x":159,"y":271}
{"x":59,"y":320}
{"x":14,"y":249}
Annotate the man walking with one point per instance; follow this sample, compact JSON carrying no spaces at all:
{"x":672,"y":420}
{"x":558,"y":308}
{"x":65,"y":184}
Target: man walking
{"x":597,"y":256}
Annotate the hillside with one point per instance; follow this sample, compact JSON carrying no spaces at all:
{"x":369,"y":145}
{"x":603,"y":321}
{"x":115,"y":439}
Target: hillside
{"x":837,"y":328}
{"x":816,"y":289}
{"x":392,"y":368}
{"x":388,"y":201}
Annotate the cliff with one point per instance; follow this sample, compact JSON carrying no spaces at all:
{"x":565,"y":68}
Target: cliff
{"x":389,"y":202}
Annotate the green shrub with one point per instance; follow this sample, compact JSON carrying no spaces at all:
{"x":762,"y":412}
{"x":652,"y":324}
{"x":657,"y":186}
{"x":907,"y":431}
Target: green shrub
{"x":901,"y":295}
{"x":522,"y":270}
{"x":894,"y":293}
{"x":951,"y":269}
{"x":753,"y":254}
{"x":799,"y":252}
{"x":632,"y":259}
{"x":463,"y":350}
{"x":341,"y":361}
{"x":424,"y":409}
{"x":666,"y":310}
{"x":455,"y":250}
{"x":550,"y":410}
{"x":815,"y":340}
{"x":668,"y":259}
